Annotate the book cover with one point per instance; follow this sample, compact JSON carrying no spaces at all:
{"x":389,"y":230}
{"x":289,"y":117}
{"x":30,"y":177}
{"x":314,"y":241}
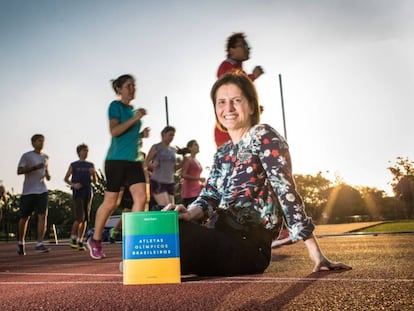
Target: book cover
{"x":150,"y":248}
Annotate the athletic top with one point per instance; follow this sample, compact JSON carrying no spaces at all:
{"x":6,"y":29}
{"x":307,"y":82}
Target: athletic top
{"x":125,"y":146}
{"x":191,"y":188}
{"x":164,"y":172}
{"x":229,"y":65}
{"x":81,"y":174}
{"x":34,"y":182}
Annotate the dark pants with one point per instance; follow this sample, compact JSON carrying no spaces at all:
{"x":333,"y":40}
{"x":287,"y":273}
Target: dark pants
{"x":223,"y":251}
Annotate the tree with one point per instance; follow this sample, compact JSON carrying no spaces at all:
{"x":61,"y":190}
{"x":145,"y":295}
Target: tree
{"x":344,"y":202}
{"x":374,"y":201}
{"x":314,"y":192}
{"x":403,"y":184}
{"x":60,"y":213}
{"x":10,"y":216}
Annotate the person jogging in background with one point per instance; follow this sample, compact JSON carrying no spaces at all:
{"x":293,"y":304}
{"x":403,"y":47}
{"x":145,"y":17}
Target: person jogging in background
{"x":125,"y":199}
{"x":34,"y":166}
{"x":162,"y":163}
{"x":192,"y":181}
{"x":238,"y":51}
{"x":123,"y":167}
{"x":80,"y":176}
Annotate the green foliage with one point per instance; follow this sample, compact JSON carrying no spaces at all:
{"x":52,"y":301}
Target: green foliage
{"x":328,"y":202}
{"x":314,"y":191}
{"x":346,"y":202}
{"x":59,"y":213}
{"x":8,"y":224}
{"x":402,"y":169}
{"x":60,"y":210}
{"x":403,"y":184}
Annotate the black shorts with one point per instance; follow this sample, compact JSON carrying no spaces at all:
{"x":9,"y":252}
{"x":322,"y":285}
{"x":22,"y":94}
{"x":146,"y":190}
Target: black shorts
{"x":30,"y":203}
{"x":121,"y":173}
{"x":157,"y":187}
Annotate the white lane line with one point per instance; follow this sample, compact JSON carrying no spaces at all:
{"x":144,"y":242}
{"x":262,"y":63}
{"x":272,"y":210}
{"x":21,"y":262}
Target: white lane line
{"x":58,"y":273}
{"x":308,"y":279}
{"x":300,"y":280}
{"x":230,"y":280}
{"x":60,"y":282}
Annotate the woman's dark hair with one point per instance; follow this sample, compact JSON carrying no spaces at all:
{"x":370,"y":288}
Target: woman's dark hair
{"x":185,"y":150}
{"x":248,"y":89}
{"x":167,"y":129}
{"x":233,"y":40}
{"x":118,"y":82}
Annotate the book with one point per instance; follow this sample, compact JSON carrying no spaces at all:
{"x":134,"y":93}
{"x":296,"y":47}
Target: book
{"x":151,"y":248}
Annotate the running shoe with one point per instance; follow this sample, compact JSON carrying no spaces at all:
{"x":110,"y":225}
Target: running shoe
{"x":73,"y":244}
{"x":81,"y":247}
{"x":112,"y":235}
{"x":41,"y":249}
{"x":21,"y":250}
{"x":95,"y":248}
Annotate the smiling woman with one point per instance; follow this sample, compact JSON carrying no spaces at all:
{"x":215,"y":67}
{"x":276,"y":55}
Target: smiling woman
{"x":250,"y":187}
{"x":236,"y":110}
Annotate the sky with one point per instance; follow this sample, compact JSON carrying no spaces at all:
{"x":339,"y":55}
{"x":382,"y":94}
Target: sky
{"x":347,"y":70}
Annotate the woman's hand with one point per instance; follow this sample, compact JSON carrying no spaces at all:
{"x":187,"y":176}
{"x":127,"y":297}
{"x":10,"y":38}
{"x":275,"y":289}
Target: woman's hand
{"x":140,"y":112}
{"x":321,"y":262}
{"x":183,"y":213}
{"x":153,"y":164}
{"x":76,"y":186}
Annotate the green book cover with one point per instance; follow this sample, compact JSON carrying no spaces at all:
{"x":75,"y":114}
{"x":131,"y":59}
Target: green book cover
{"x":151,"y":248}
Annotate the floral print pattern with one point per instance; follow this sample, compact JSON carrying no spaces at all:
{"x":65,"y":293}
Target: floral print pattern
{"x":253,"y":181}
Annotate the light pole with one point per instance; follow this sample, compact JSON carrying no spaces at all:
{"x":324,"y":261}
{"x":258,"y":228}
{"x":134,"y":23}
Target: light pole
{"x":166,"y":110}
{"x":283,"y":105}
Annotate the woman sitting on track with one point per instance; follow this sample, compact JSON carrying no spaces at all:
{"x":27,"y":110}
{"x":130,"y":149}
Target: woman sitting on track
{"x":251,"y":188}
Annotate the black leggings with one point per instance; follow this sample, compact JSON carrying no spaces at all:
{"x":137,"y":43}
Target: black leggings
{"x":222,"y":251}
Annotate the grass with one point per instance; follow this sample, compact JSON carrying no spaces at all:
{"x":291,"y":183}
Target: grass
{"x":392,"y":226}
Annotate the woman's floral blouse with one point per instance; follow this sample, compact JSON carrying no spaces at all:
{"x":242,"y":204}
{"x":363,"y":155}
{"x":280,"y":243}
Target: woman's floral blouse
{"x":253,"y":181}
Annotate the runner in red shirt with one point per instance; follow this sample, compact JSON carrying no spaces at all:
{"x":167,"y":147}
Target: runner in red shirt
{"x":237,"y":52}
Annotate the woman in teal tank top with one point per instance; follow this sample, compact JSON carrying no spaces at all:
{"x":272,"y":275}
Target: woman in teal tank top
{"x":123,"y":167}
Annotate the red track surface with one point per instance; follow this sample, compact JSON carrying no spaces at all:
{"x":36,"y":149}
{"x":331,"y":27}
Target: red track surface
{"x":64,"y":279}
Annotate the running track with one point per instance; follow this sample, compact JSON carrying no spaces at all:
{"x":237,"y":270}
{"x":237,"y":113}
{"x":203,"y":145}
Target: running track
{"x":382,"y":278}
